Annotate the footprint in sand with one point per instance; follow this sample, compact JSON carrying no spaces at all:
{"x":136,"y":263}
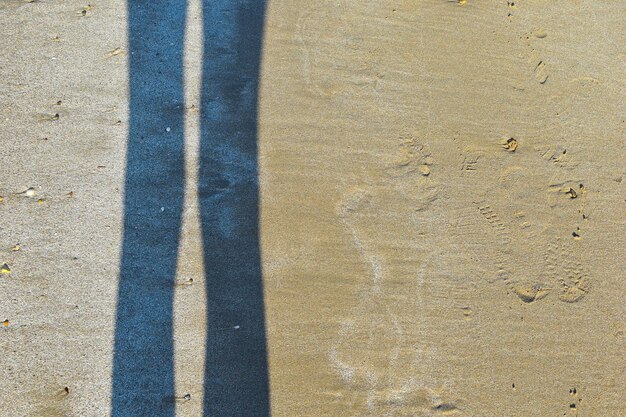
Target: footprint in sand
{"x":409,"y":172}
{"x":388,"y":223}
{"x":540,"y":69}
{"x":336,"y":54}
{"x":367,"y":349}
{"x":531,"y":212}
{"x":570,"y":272}
{"x":376,"y":362}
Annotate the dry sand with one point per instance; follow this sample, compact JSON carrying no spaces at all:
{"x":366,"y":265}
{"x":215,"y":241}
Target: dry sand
{"x":442,"y":207}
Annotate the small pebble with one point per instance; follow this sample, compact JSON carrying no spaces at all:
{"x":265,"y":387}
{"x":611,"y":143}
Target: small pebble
{"x":424,"y":170}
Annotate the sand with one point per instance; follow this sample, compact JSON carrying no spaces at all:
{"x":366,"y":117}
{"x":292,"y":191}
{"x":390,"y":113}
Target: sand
{"x":441,"y":208}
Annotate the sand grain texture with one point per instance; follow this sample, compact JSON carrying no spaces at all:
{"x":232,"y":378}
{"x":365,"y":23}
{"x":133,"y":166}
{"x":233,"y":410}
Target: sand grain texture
{"x":441,"y":213}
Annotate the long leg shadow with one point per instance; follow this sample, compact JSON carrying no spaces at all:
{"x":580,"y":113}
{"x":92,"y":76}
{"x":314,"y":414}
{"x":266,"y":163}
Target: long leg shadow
{"x":236,"y":372}
{"x":143,"y":363}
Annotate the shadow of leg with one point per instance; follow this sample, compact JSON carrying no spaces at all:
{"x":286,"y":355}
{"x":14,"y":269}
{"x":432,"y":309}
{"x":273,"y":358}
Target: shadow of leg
{"x":236,"y":374}
{"x":143,"y":370}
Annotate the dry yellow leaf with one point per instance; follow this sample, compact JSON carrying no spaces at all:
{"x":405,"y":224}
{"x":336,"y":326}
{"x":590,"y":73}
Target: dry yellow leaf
{"x":510,"y":145}
{"x":571,"y":193}
{"x":115,"y":52}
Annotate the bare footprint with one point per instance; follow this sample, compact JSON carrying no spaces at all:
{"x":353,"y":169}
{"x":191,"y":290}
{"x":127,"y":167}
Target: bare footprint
{"x":371,"y":354}
{"x":410,"y":172}
{"x":367,"y":349}
{"x":336,"y":56}
{"x":367,"y":353}
{"x":393,"y":223}
{"x":540,"y":70}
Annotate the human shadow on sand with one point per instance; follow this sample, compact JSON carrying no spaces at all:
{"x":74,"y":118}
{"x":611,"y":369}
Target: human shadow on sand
{"x":236,"y":370}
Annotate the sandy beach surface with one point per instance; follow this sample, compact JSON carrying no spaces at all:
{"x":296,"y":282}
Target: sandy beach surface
{"x":434,"y":191}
